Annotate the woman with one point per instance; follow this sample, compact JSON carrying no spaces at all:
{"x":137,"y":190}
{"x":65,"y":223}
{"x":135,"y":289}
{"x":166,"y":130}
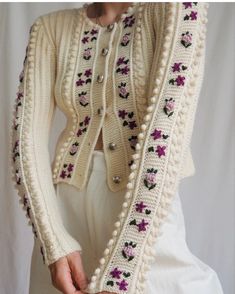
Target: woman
{"x":127,"y":76}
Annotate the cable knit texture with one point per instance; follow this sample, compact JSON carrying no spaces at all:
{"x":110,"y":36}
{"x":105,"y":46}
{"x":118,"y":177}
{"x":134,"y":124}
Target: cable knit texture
{"x":139,"y":80}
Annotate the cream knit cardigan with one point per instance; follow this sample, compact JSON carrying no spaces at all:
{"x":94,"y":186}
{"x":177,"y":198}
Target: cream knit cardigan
{"x":153,"y":180}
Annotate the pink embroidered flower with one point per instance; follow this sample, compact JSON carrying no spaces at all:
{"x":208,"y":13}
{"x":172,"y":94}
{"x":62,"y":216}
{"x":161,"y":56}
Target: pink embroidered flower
{"x":83,"y":99}
{"x":74,"y":148}
{"x":186,"y":39}
{"x":123,"y":93}
{"x":169,"y":106}
{"x":87,"y":53}
{"x":150,"y":178}
{"x":125,"y":39}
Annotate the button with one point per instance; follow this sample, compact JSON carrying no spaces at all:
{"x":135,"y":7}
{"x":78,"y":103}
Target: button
{"x":100,"y":78}
{"x":112,"y":146}
{"x":116,"y":179}
{"x":105,"y":51}
{"x":100,"y":111}
{"x":110,"y":27}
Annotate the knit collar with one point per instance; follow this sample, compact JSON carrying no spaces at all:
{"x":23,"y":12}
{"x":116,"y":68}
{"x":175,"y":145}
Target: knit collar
{"x":128,"y":12}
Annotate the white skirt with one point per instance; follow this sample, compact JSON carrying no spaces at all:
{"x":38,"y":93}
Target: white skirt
{"x":89,"y":216}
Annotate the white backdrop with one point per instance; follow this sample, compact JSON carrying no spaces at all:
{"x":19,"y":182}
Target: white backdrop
{"x":208,"y":196}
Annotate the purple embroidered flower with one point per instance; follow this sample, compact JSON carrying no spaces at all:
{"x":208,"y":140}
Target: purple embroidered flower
{"x":123,"y":93}
{"x":178,"y":66}
{"x":87,"y":120}
{"x":94,"y":31}
{"x":122,"y":285}
{"x":150,"y":178}
{"x":74,"y":148}
{"x":87,"y":53}
{"x":129,"y":21}
{"x":63,"y":174}
{"x":115,"y":273}
{"x":139,"y":207}
{"x":18,"y":177}
{"x":88,"y":72}
{"x":161,"y":150}
{"x":79,"y":132}
{"x":15,"y":150}
{"x":70,"y":167}
{"x":125,"y":39}
{"x":142,"y":225}
{"x":132,"y":124}
{"x":124,"y":70}
{"x":120,"y":61}
{"x":156,"y":134}
{"x":80,"y":82}
{"x":180,"y":80}
{"x":21,"y":76}
{"x":122,"y":113}
{"x":186,"y":39}
{"x":193,"y":15}
{"x":187,"y":5}
{"x":85,"y":40}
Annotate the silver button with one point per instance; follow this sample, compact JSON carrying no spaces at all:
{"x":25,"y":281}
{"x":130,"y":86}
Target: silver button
{"x":100,"y":111}
{"x":100,"y":78}
{"x":110,"y":27}
{"x":105,"y":51}
{"x":116,"y":179}
{"x":112,"y":146}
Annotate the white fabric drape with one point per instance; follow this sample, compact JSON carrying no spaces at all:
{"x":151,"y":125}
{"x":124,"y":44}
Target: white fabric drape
{"x":208,"y":196}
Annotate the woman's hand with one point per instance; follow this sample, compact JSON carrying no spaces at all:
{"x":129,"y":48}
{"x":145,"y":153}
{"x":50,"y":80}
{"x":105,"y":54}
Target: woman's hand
{"x":67,"y":274}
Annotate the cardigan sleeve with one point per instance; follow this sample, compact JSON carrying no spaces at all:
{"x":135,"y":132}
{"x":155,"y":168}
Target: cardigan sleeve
{"x":33,"y":114}
{"x":162,"y":143}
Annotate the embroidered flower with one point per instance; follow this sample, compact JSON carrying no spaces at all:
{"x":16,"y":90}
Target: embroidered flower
{"x":122,"y":285}
{"x":156,"y":134}
{"x":150,"y":178}
{"x":187,"y":5}
{"x":129,"y":21}
{"x":85,"y":40}
{"x":87,"y":53}
{"x":116,"y":273}
{"x":191,"y":16}
{"x":86,"y":80}
{"x":186,"y":39}
{"x":128,"y":251}
{"x":169,"y":106}
{"x":133,"y":141}
{"x":161,"y":150}
{"x":67,"y":170}
{"x":74,"y":148}
{"x":123,"y":93}
{"x":85,"y":122}
{"x":125,"y":69}
{"x":18,"y":177}
{"x":178,"y":67}
{"x":131,"y":124}
{"x":142,"y":225}
{"x":83,"y":98}
{"x":125,"y":39}
{"x":179,"y":81}
{"x":139,"y":207}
